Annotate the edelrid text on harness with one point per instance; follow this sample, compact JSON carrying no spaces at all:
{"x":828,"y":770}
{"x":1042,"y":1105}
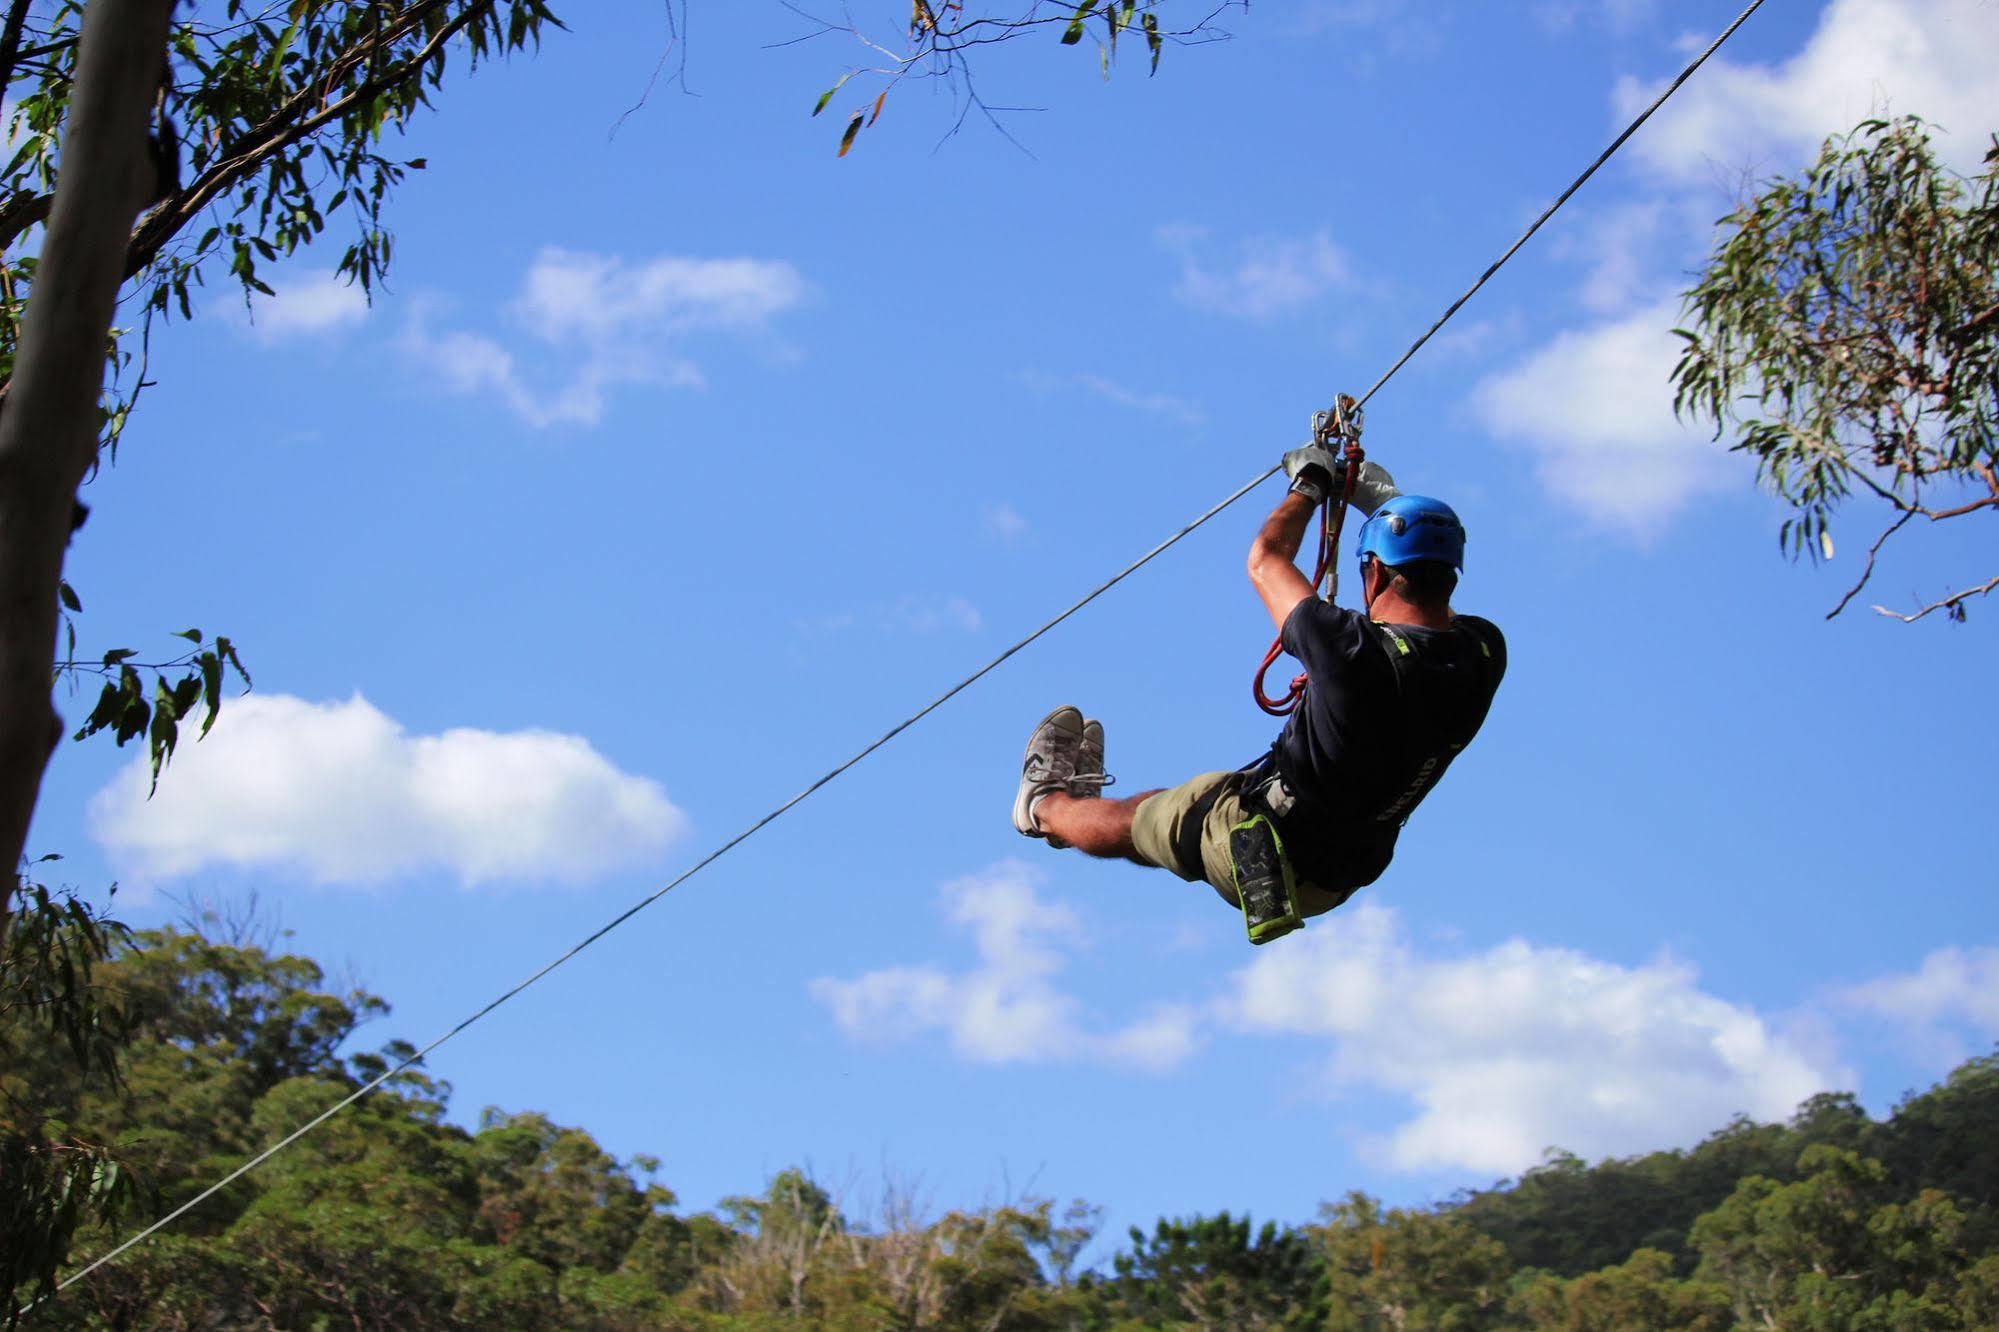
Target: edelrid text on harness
{"x":1437,"y":733}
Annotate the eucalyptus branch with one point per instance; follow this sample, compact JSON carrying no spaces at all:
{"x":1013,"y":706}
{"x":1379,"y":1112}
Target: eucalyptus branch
{"x":1938,"y":515}
{"x":1953,"y":604}
{"x":1979,"y":322}
{"x":287,"y":126}
{"x":10,"y":41}
{"x":1907,"y":507}
{"x":266,"y":133}
{"x":942,"y":39}
{"x":1839,"y":296}
{"x":676,"y":43}
{"x":1868,"y":572}
{"x":47,"y":49}
{"x":23,"y":210}
{"x":108,"y":667}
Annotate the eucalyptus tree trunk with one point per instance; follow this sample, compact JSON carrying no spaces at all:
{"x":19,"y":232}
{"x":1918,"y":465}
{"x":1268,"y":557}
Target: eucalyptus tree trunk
{"x":49,"y":412}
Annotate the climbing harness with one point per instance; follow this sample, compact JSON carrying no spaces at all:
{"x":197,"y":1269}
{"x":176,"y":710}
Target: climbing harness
{"x":1259,"y":866}
{"x":1265,"y":879}
{"x":415,"y":1057}
{"x":1339,"y":428}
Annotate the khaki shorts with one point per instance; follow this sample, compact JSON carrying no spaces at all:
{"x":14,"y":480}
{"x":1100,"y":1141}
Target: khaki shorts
{"x":1160,"y":831}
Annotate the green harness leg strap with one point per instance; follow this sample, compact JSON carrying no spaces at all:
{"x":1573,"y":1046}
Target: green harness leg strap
{"x":1264,"y":883}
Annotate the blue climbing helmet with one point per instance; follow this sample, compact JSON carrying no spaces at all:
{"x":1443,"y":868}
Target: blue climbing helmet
{"x":1409,"y":528}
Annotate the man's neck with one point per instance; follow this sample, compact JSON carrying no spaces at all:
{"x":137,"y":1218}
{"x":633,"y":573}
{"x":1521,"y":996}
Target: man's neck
{"x":1392,"y":608}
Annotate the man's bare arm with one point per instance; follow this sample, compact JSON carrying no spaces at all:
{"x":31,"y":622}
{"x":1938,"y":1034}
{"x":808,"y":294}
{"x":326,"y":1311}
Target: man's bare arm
{"x":1273,"y":557}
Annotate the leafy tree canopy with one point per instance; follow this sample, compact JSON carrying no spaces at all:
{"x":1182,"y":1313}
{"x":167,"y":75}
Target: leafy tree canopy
{"x":1846,"y":335}
{"x":390,"y":1216}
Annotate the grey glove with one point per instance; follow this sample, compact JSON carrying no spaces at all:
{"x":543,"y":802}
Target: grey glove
{"x":1314,"y":472}
{"x":1373,"y":488}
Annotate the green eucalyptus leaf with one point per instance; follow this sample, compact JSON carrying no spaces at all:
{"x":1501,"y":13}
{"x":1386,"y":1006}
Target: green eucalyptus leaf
{"x":827,"y":96}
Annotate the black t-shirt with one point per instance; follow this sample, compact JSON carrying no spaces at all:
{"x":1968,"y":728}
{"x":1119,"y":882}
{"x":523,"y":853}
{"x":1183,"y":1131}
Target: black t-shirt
{"x":1369,"y":740}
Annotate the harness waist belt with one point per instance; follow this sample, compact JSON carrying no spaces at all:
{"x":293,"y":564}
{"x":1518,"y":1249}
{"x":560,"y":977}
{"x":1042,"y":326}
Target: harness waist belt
{"x":1262,"y":789}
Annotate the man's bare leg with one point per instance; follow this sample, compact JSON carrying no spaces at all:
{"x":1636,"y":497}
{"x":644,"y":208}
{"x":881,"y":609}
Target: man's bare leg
{"x":1094,"y":826}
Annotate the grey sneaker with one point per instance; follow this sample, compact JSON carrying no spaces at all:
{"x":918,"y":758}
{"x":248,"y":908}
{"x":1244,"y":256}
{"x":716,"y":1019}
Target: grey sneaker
{"x":1090,"y":778}
{"x":1052,"y":755}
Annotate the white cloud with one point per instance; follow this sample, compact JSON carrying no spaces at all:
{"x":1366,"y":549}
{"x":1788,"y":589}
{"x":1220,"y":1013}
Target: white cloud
{"x":1163,"y":1039}
{"x":1933,"y":58}
{"x":1003,"y":521}
{"x":1159,"y":404}
{"x":1474,"y":339}
{"x":599,"y":297}
{"x":1269,"y":276}
{"x":1627,"y":249}
{"x":1619,"y":15}
{"x":1596,"y":409}
{"x":1395,"y":33}
{"x":916,"y":615}
{"x":1594,"y":404}
{"x":1317,"y":14}
{"x":1177,"y":409}
{"x":308,"y":301}
{"x":1008,"y":1008}
{"x":472,"y":363}
{"x":1510,"y":1051}
{"x":341,"y":793}
{"x":604,"y":322}
{"x":1949,"y":1004}
{"x":951,"y":613}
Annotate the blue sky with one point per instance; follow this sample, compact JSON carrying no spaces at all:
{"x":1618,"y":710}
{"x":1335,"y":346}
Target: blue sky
{"x":678,"y":463}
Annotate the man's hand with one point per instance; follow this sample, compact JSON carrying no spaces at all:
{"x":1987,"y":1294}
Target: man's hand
{"x":1373,"y":488}
{"x":1315,"y":472}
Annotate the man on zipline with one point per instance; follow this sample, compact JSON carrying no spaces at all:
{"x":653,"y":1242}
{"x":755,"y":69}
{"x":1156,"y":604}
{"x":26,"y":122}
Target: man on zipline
{"x":1392,"y":694}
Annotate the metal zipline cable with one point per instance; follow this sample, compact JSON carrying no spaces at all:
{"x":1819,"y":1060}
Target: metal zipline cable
{"x":904,"y":725}
{"x":1563,"y":198}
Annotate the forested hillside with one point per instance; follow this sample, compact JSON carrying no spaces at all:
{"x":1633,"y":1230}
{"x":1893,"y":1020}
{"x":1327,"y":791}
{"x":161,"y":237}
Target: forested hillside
{"x":390,"y":1217}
